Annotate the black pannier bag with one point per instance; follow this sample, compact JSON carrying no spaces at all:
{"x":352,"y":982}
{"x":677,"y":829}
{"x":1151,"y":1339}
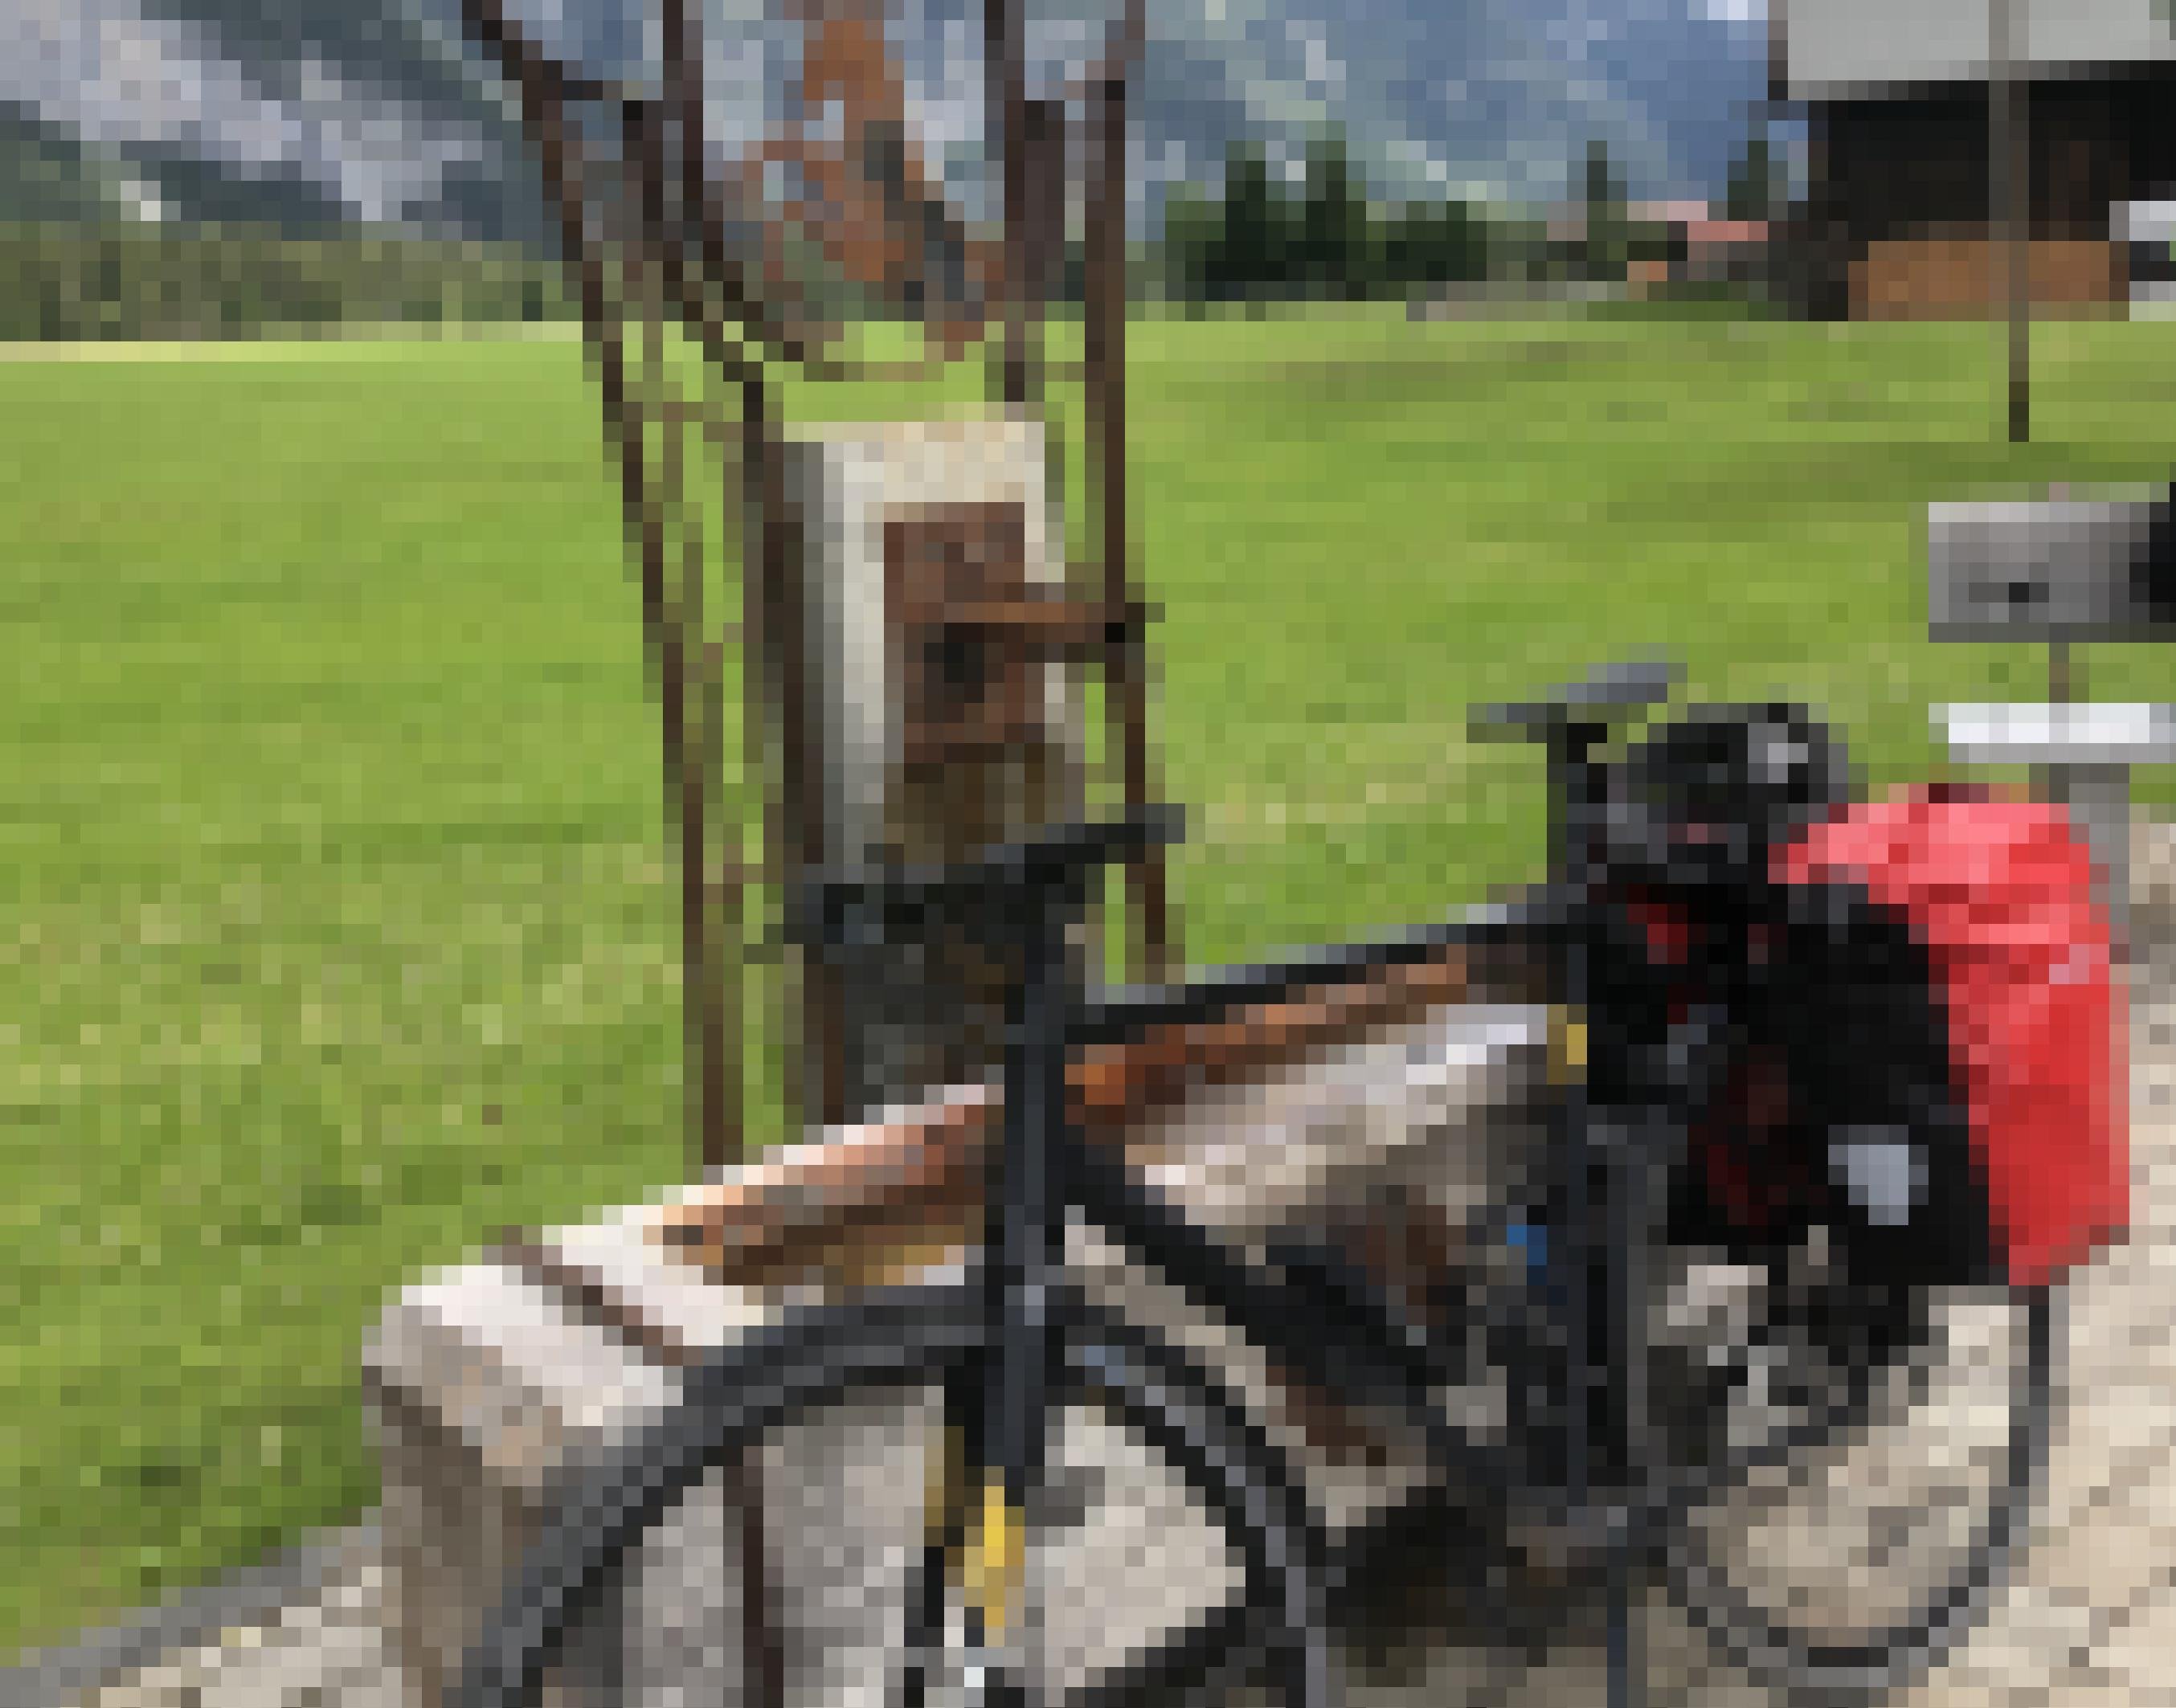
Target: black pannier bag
{"x":1923,"y":1051}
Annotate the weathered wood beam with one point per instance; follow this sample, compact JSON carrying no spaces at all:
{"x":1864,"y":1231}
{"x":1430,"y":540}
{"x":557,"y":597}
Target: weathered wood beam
{"x":830,"y":1202}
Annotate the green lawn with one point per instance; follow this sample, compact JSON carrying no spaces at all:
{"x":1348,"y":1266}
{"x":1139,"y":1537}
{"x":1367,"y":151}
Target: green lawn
{"x":334,"y":931}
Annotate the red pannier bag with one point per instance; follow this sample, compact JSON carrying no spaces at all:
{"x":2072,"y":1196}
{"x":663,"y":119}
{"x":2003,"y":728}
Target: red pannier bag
{"x":1999,"y":893}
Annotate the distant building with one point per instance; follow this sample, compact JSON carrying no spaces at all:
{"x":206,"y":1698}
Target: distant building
{"x":1701,"y":248}
{"x":1897,"y":218}
{"x":1704,"y":249}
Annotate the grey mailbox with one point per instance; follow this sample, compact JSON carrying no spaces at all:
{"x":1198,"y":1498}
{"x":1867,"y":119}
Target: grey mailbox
{"x":2052,"y":570}
{"x":2056,"y":571}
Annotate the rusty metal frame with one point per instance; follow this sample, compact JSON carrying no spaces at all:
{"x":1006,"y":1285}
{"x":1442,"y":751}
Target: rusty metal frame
{"x":678,"y":266}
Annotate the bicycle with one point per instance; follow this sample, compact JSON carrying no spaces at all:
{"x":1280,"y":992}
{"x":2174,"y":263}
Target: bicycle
{"x":1012,"y":1337}
{"x":1635,"y":1150}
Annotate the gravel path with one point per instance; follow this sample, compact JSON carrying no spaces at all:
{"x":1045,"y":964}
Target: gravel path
{"x":303,"y":1631}
{"x":2088,"y":1617}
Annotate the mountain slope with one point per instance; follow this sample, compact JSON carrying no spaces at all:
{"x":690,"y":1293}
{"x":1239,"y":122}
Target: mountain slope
{"x":308,"y":110}
{"x":45,"y":174}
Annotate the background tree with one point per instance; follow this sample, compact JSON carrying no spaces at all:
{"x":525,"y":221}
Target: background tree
{"x":1431,"y":243}
{"x":1334,"y":258}
{"x":1602,"y":191}
{"x":1252,"y":251}
{"x":1192,"y":228}
{"x":1756,"y":189}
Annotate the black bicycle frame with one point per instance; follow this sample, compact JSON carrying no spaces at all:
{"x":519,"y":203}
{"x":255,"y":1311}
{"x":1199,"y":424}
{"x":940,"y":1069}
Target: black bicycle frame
{"x":1028,"y":897}
{"x":1322,"y":1318}
{"x":1032,"y":895}
{"x":1315,"y":1311}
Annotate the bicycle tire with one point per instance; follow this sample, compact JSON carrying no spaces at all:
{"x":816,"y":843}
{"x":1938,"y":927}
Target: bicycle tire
{"x":1848,"y":1675}
{"x":911,"y":1335}
{"x":1657,"y":1525}
{"x":1836,"y":1674}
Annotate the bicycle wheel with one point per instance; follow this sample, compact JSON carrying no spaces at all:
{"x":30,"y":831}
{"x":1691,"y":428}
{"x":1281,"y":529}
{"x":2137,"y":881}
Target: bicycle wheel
{"x":897,"y":1342}
{"x":1721,"y":1519}
{"x":1926,"y":1531}
{"x":1918,"y":1550}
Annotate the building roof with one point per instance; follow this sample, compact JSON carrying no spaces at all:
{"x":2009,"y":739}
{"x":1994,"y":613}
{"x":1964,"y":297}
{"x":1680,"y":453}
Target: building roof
{"x":1830,"y":49}
{"x":1723,"y":233}
{"x":1684,"y":213}
{"x":1695,"y":222}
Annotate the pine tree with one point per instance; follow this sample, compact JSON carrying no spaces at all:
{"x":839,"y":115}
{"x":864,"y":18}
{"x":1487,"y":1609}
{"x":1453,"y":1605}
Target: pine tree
{"x":1333,"y":261}
{"x":1755,"y":190}
{"x":1604,"y":196}
{"x":1252,"y":254}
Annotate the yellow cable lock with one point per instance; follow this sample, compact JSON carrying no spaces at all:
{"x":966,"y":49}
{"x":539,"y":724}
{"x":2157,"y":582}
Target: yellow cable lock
{"x":994,"y":1558}
{"x":1567,"y":1044}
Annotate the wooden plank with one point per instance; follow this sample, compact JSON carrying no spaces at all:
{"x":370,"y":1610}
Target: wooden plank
{"x":813,"y":1207}
{"x":1042,"y":622}
{"x":830,"y":1204}
{"x":1117,"y":1086}
{"x":1959,"y":278}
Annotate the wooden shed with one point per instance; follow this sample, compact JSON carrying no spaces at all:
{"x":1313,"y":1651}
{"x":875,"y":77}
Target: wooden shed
{"x":1899,"y":209}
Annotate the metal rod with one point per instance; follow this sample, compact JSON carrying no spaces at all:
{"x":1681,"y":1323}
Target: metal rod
{"x":1005,"y":92}
{"x":762,"y":1664}
{"x":544,"y":89}
{"x":1569,"y":761}
{"x":1044,"y":140}
{"x":715,"y":995}
{"x":1104,"y":352}
{"x":675,"y":589}
{"x":2062,"y":682}
{"x":2055,"y":781}
{"x":1597,"y":1235}
{"x":1630,"y":1232}
{"x":771,"y":675}
{"x":724,"y":1127}
{"x":2010,"y":194}
{"x":819,"y":1093}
